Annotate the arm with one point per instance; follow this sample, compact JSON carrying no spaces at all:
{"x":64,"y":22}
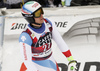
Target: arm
{"x":25,"y":43}
{"x":64,"y":49}
{"x":61,"y":43}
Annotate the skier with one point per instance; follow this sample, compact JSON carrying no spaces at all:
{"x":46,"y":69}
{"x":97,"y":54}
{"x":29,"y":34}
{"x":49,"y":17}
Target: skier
{"x":35,"y":41}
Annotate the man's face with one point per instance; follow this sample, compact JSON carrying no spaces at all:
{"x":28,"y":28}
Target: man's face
{"x":39,"y":20}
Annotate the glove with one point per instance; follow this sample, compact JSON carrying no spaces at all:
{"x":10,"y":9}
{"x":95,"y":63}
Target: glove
{"x":72,"y":65}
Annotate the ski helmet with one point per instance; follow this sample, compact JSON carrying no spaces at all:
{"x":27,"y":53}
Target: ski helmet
{"x":31,"y":10}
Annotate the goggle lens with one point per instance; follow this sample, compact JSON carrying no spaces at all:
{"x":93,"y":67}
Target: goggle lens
{"x":38,"y":13}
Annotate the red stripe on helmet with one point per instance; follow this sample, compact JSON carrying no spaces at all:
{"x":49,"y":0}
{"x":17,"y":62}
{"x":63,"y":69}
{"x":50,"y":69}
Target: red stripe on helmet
{"x":24,"y":12}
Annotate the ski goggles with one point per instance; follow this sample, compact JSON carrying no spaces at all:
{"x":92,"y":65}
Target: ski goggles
{"x":38,"y":13}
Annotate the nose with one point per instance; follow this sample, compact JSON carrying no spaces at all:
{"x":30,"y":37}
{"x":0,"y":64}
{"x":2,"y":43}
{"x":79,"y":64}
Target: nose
{"x":41,"y":15}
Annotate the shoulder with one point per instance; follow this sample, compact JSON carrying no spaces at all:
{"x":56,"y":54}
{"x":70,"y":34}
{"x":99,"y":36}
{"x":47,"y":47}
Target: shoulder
{"x":49,"y":21}
{"x":25,"y":38}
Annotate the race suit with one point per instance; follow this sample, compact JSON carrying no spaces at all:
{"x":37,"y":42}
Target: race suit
{"x":36,"y":47}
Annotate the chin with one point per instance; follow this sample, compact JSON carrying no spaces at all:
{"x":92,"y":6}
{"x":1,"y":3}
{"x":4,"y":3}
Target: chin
{"x":42,"y":21}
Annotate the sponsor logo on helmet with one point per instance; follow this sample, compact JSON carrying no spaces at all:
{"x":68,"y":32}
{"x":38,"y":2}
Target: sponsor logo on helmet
{"x":28,"y":15}
{"x":35,"y":5}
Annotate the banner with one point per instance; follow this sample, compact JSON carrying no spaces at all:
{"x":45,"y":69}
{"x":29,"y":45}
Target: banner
{"x":15,"y":25}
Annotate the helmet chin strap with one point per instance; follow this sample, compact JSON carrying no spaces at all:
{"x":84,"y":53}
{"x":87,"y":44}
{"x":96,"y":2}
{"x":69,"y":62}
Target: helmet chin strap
{"x":36,"y":25}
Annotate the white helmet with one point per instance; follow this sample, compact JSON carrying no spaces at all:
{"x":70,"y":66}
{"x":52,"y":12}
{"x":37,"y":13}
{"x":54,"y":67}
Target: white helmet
{"x":31,"y":10}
